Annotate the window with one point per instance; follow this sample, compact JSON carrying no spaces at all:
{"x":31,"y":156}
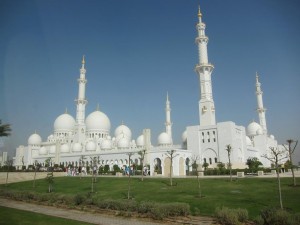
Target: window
{"x":204,"y":160}
{"x":216,"y":160}
{"x":210,"y":162}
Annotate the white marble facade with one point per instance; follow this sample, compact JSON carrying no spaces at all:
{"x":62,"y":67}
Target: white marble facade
{"x":91,"y":136}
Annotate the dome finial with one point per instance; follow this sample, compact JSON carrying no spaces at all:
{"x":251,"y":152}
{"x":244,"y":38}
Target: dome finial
{"x":257,"y":77}
{"x":98,"y":107}
{"x":83,"y":59}
{"x":66,"y":111}
{"x":199,"y":12}
{"x":167,"y":96}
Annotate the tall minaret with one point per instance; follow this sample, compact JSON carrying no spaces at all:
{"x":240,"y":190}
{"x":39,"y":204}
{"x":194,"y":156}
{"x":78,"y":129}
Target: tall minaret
{"x":260,"y":106}
{"x":204,"y":70}
{"x":168,"y":118}
{"x":81,"y":102}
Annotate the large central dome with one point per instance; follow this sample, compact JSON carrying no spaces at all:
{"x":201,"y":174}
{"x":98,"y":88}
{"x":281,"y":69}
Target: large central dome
{"x":97,"y":122}
{"x":64,"y":123}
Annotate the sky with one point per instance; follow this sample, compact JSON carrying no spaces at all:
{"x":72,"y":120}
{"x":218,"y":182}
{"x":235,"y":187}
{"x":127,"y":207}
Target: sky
{"x":136,"y":51}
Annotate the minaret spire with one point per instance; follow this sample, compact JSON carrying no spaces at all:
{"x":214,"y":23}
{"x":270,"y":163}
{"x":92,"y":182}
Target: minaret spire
{"x":204,"y":70}
{"x":260,"y":106}
{"x":168,"y":118}
{"x":81,"y":102}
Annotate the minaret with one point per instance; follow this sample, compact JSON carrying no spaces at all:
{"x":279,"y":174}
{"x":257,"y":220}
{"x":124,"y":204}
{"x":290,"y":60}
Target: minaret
{"x":81,"y":102}
{"x":168,"y":118}
{"x":260,"y":106}
{"x":204,"y":70}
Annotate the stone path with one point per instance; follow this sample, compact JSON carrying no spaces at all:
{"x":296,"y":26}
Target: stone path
{"x":96,"y":218}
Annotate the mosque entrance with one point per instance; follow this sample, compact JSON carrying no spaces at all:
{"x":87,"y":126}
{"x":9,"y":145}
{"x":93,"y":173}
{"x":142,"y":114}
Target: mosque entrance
{"x":187,"y":166}
{"x":157,"y":166}
{"x":167,"y":167}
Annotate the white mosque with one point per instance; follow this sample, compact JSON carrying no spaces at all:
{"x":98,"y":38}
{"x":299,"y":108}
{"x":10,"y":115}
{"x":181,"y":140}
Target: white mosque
{"x":91,"y":136}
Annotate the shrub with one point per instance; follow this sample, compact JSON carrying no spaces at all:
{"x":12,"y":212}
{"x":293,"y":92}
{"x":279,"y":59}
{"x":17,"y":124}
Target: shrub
{"x":273,"y":216}
{"x":78,"y":199}
{"x":226,"y":216}
{"x":242,"y":214}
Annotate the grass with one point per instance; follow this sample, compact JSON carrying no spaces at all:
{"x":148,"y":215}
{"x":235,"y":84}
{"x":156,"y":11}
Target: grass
{"x":252,"y":194}
{"x":19,"y":217}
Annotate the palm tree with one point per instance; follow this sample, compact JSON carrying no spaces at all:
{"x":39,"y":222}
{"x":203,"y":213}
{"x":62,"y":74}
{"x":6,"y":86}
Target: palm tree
{"x":4,"y":129}
{"x":229,"y":150}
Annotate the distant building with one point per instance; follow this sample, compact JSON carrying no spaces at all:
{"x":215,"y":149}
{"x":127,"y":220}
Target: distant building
{"x":91,"y":136}
{"x":3,"y":158}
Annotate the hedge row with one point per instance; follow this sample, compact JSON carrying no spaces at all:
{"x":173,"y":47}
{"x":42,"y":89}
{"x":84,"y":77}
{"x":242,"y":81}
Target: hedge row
{"x":150,"y":209}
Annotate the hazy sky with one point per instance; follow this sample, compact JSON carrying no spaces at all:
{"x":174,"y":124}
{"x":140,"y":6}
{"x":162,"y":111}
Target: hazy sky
{"x":137,"y":51}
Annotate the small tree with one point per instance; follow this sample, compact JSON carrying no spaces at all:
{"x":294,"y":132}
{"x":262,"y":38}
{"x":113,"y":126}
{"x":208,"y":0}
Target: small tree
{"x":94,"y":161}
{"x":253,"y":164}
{"x":129,"y":183}
{"x":205,"y":166}
{"x":36,"y":168}
{"x":142,"y":154}
{"x":229,"y":150}
{"x":290,"y":151}
{"x":171,"y":154}
{"x":50,"y":177}
{"x":275,"y":156}
{"x":195,"y":168}
{"x":8,"y":163}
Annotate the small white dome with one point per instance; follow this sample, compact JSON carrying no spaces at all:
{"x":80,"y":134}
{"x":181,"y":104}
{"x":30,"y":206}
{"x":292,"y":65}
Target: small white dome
{"x":97,"y":121}
{"x":164,"y":139}
{"x":43,"y":151}
{"x":64,"y":123}
{"x":123,"y":130}
{"x":64,"y":148}
{"x":140,"y":141}
{"x":184,"y":136}
{"x":34,"y":139}
{"x":91,"y":146}
{"x":123,"y":143}
{"x":50,"y":136}
{"x":252,"y":129}
{"x":52,"y":149}
{"x":272,"y":136}
{"x":106,"y":144}
{"x":77,"y":147}
{"x":248,"y":141}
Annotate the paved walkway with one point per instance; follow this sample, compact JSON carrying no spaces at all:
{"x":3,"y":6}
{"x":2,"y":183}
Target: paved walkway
{"x":95,"y":218}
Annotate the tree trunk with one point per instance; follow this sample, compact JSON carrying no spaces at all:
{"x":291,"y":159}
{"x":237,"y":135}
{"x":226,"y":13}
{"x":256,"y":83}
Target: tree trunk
{"x":6,"y":178}
{"x":34,"y":179}
{"x":279,"y":188}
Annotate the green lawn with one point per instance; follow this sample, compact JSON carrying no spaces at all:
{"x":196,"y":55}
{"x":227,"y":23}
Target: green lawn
{"x":19,"y":217}
{"x":252,"y":194}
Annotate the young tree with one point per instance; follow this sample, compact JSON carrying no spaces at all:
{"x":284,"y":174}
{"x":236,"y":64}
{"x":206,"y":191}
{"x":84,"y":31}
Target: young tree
{"x":8,"y":163}
{"x":171,"y":154}
{"x":195,"y":168}
{"x":36,"y":168}
{"x":275,"y":156}
{"x":142,"y":154}
{"x":205,"y":166}
{"x":229,"y":150}
{"x":290,"y":151}
{"x":5,"y":129}
{"x":95,"y":161}
{"x":253,"y":164}
{"x":129,"y":161}
{"x":50,"y":177}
